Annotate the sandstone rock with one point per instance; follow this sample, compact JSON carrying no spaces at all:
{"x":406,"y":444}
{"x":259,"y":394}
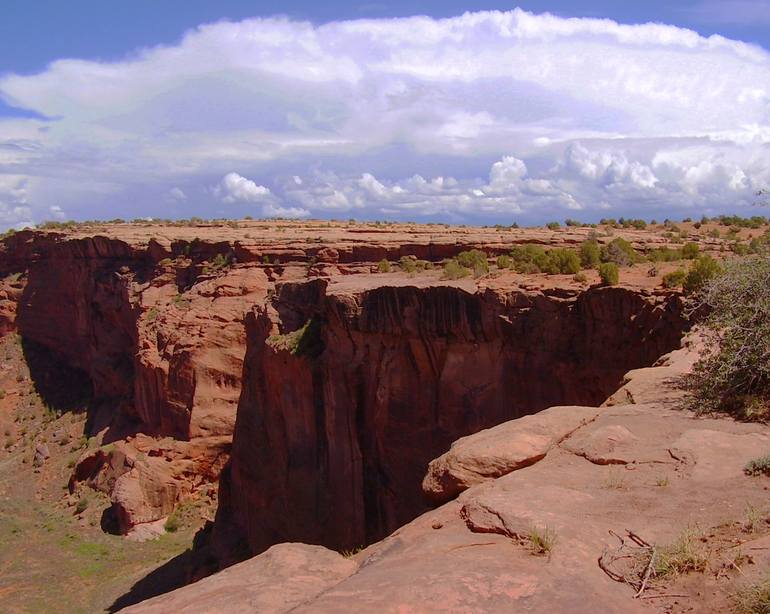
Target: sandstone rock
{"x":507,"y":447}
{"x":276,"y":581}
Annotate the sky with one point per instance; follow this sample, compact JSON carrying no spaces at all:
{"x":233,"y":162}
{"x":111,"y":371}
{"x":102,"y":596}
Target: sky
{"x":462,"y":112}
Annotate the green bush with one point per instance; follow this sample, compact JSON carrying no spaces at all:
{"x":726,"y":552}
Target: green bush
{"x":690,"y":251}
{"x":383,"y":266}
{"x":702,"y":271}
{"x":675,"y":279}
{"x":620,"y":252}
{"x":553,"y":225}
{"x":580,"y":278}
{"x":734,"y":373}
{"x":590,"y":254}
{"x":664,"y":254}
{"x":408,"y":264}
{"x":562,"y":260}
{"x":474,"y":259}
{"x":758,"y":466}
{"x":529,"y":258}
{"x":82,"y":505}
{"x":609,"y":273}
{"x":454,"y":270}
{"x":504,"y":262}
{"x":173,"y":523}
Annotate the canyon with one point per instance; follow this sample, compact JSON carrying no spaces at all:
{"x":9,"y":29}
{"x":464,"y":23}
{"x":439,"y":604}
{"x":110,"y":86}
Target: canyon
{"x":274,"y":372}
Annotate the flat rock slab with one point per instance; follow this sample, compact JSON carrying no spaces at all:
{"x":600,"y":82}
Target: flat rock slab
{"x":276,"y":581}
{"x":507,"y":447}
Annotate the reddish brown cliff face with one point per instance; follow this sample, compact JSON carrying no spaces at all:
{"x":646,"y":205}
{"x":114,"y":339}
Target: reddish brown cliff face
{"x":337,"y":422}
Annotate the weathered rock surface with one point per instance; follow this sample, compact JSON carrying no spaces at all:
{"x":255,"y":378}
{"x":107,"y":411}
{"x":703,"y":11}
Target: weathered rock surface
{"x":472,"y":554}
{"x":507,"y":447}
{"x":282,"y":579}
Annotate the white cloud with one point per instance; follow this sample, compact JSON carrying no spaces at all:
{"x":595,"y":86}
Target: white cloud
{"x":578,"y":114}
{"x":234,"y":188}
{"x":177,"y":194}
{"x":742,"y":12}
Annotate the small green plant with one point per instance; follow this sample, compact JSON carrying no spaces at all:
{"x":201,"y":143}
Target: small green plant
{"x":504,"y":262}
{"x":753,"y":598}
{"x":383,"y":266}
{"x":609,"y":273}
{"x":674,"y":279}
{"x":553,"y":225}
{"x":542,"y":540}
{"x":348,"y":554}
{"x":758,"y":466}
{"x":580,"y":278}
{"x":82,"y":505}
{"x":661,"y":481}
{"x":305,"y":341}
{"x":454,"y":270}
{"x":152,"y":315}
{"x":686,"y":554}
{"x":408,"y":264}
{"x":614,"y":480}
{"x":173,"y":522}
{"x":690,"y":251}
{"x":756,"y":519}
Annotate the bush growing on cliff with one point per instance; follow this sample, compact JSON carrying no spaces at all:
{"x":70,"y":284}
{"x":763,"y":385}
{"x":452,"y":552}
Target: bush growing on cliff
{"x":475,"y":260}
{"x":620,"y":252}
{"x":701,"y":272}
{"x":383,"y":266}
{"x":609,"y":273}
{"x":590,"y":254}
{"x":674,"y":279}
{"x":305,"y":341}
{"x":561,"y":261}
{"x":734,"y":373}
{"x":504,"y":262}
{"x":529,"y":258}
{"x":454,"y":270}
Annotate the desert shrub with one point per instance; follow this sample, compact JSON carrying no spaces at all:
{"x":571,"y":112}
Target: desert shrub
{"x":620,"y":252}
{"x":690,"y":251}
{"x":305,"y":341}
{"x":733,"y":374}
{"x":580,"y":278}
{"x":474,"y":259}
{"x":82,"y":505}
{"x":553,"y":225}
{"x":562,"y":260}
{"x":686,"y":554}
{"x":408,"y":264}
{"x":383,"y":266}
{"x":454,"y":270}
{"x":664,"y":254}
{"x":504,"y":262}
{"x":609,"y":274}
{"x":674,"y":279}
{"x":570,"y":222}
{"x":702,"y":270}
{"x":529,"y":258}
{"x":753,"y":598}
{"x":173,"y":522}
{"x":758,"y":466}
{"x":590,"y":254}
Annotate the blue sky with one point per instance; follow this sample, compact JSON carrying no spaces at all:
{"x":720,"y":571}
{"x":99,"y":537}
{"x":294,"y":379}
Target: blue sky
{"x":550,"y":110}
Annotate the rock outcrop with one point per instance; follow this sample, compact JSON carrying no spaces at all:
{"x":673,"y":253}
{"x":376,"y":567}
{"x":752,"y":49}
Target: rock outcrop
{"x":668,"y":472}
{"x":349,"y":393}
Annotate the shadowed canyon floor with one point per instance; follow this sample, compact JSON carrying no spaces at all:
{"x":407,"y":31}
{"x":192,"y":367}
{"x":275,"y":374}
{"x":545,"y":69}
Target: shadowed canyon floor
{"x":278,"y":379}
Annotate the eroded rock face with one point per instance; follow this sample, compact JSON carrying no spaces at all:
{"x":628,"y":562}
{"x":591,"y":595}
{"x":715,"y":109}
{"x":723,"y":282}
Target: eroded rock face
{"x":335,"y":431}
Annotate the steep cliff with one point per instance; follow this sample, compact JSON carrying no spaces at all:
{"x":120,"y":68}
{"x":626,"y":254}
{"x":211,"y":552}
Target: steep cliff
{"x":347,"y":395}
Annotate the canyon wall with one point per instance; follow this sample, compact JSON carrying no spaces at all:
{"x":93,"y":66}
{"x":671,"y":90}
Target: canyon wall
{"x":348,"y":395}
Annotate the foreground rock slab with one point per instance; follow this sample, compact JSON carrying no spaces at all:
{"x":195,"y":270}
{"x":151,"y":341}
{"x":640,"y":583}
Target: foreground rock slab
{"x":279,"y":580}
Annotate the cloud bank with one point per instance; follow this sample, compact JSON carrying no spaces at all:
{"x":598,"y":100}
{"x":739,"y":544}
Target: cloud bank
{"x":487,"y":116}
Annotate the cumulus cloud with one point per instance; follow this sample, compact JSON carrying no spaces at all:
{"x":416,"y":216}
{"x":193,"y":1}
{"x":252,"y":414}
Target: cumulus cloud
{"x":543,"y":114}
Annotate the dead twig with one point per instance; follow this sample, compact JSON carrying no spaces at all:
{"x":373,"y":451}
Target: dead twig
{"x":649,"y":570}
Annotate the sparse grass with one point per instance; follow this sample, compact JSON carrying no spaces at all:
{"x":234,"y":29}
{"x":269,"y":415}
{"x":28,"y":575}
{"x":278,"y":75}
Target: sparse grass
{"x":758,"y":466}
{"x":756,"y":519}
{"x":542,"y":540}
{"x":614,"y":480}
{"x":686,"y":554}
{"x":352,"y":552}
{"x":661,"y":481}
{"x":753,"y":598}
